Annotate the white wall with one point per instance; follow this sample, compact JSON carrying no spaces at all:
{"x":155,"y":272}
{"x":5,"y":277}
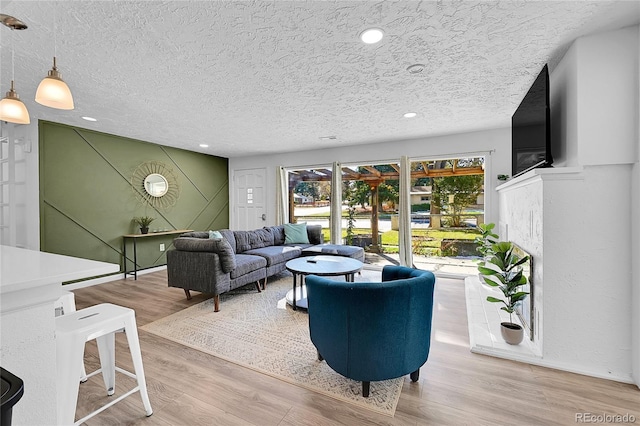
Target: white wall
{"x":563,"y":96}
{"x":589,"y":241}
{"x":496,"y":141}
{"x":587,"y":273}
{"x":607,"y":97}
{"x":635,"y":238}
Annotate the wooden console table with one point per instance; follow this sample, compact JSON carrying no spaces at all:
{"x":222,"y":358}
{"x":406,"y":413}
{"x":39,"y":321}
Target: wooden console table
{"x":135,"y":237}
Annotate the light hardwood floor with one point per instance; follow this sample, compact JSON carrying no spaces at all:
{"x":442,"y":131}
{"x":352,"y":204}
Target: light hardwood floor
{"x":456,"y":387}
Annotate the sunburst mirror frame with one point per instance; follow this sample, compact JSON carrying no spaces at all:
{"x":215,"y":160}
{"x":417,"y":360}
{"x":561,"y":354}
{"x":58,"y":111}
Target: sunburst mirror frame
{"x":142,"y":172}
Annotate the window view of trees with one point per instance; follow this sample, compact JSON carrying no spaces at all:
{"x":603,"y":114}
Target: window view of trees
{"x":312,"y":192}
{"x":446,"y":196}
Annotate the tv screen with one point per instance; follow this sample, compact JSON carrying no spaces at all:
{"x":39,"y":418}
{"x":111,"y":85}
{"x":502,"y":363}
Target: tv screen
{"x":531,"y":128}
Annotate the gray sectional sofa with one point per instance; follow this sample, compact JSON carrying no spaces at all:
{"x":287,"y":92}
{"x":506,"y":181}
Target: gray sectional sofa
{"x":217,"y":265}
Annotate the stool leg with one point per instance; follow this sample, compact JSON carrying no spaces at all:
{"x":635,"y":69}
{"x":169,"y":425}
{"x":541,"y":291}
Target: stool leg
{"x":136,"y":356}
{"x":68,"y":301}
{"x":107,"y":351}
{"x":69,"y":354}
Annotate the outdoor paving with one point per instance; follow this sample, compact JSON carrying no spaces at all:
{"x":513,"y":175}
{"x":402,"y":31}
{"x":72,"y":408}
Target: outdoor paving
{"x":442,"y":265}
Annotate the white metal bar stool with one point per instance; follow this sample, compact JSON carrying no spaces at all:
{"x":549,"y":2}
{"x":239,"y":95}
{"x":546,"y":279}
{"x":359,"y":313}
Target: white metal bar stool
{"x":73,"y":330}
{"x":66,"y":304}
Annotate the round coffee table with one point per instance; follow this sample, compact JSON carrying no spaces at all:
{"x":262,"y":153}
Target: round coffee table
{"x":328,"y":266}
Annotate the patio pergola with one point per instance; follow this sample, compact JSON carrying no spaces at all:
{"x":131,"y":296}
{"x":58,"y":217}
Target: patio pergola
{"x":374,"y":177}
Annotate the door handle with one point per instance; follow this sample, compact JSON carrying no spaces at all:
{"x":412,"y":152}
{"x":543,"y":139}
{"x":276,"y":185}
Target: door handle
{"x":264,"y":216}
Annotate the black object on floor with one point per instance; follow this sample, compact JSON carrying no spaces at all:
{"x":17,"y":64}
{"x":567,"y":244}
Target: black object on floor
{"x":11,"y":390}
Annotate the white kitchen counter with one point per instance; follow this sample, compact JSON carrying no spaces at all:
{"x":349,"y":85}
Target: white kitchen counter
{"x":30,"y":283}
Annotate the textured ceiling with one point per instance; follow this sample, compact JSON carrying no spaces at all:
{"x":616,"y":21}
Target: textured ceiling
{"x":251,"y":77}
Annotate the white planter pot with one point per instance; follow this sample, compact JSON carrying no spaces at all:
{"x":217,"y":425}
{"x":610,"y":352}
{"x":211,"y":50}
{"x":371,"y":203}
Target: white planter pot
{"x":511,"y":333}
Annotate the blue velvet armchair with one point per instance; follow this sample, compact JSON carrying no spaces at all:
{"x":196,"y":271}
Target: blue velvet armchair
{"x":370,"y":331}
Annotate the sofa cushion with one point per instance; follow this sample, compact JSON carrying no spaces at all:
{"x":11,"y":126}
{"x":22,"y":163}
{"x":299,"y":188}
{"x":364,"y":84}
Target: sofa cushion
{"x":335,"y":249}
{"x":215,"y":234}
{"x":246,"y":264}
{"x":195,"y":234}
{"x":276,"y":254}
{"x":299,"y":246}
{"x":314,"y":233}
{"x":230,"y":237}
{"x":219,"y":246}
{"x":278,"y":234}
{"x":296,"y":233}
{"x":247,"y":240}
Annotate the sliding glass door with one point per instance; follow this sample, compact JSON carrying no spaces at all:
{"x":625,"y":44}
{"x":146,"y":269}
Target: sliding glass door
{"x":309,"y":192}
{"x":447,"y":204}
{"x":445,"y":199}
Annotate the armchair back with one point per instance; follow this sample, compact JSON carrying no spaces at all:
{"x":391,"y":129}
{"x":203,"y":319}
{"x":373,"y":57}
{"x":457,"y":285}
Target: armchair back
{"x":371,"y":331}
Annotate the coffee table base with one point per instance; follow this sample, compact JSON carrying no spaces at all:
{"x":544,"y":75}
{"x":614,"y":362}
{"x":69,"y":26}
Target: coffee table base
{"x":300,"y":291}
{"x":301,"y":297}
{"x":326,"y":266}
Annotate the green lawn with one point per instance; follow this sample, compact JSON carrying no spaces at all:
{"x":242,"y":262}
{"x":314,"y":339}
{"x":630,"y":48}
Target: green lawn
{"x":426,"y":242}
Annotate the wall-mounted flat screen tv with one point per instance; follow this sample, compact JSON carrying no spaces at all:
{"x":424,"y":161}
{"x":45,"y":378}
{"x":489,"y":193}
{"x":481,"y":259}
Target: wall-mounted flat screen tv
{"x":531,"y":128}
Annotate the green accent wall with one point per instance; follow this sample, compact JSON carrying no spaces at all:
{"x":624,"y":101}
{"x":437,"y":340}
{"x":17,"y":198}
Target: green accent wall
{"x":87,"y":202}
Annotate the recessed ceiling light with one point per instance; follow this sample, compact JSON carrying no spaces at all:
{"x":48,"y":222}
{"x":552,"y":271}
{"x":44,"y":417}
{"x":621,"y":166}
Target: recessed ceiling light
{"x":410,"y":114}
{"x":415,"y":68}
{"x":328,"y":138}
{"x":89,"y":119}
{"x":371,"y":35}
{"x":204,"y":145}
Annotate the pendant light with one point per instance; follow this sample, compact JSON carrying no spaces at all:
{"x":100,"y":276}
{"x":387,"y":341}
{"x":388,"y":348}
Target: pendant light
{"x":53,"y":91}
{"x":12,"y":109}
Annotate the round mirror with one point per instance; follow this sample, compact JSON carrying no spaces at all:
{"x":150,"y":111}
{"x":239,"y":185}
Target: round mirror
{"x":156,"y":185}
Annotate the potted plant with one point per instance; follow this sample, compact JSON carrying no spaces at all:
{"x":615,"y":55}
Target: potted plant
{"x":143,"y":222}
{"x":504,"y":271}
{"x":486,"y":239}
{"x":485,"y":242}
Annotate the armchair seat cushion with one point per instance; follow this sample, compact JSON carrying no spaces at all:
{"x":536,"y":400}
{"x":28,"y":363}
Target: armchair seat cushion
{"x":246,"y":263}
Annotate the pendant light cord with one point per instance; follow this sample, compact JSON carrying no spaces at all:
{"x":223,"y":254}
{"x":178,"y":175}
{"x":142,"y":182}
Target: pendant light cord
{"x":13,"y":59}
{"x":55,"y":36}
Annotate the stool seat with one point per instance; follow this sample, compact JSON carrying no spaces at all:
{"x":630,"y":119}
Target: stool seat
{"x":73,"y":330}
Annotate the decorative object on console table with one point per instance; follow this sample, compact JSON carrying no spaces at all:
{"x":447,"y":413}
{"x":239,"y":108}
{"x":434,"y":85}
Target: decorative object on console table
{"x":135,"y":237}
{"x":143,"y":222}
{"x":504,"y":271}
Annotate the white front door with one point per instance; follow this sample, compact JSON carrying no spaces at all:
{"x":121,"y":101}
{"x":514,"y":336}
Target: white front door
{"x":249,"y":209}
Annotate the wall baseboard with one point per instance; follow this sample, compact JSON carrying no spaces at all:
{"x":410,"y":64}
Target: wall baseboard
{"x":115,"y":277}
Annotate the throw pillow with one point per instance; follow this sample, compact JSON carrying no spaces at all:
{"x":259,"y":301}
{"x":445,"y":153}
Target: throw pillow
{"x":215,"y":235}
{"x":295,"y":233}
{"x":226,"y":255}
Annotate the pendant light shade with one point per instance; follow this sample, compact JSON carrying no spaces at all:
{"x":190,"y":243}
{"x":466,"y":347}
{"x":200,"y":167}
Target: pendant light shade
{"x":53,"y":91}
{"x":12,"y":109}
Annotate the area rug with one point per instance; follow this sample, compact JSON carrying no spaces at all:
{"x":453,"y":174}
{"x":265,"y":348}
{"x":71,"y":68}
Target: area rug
{"x":259,"y":331}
